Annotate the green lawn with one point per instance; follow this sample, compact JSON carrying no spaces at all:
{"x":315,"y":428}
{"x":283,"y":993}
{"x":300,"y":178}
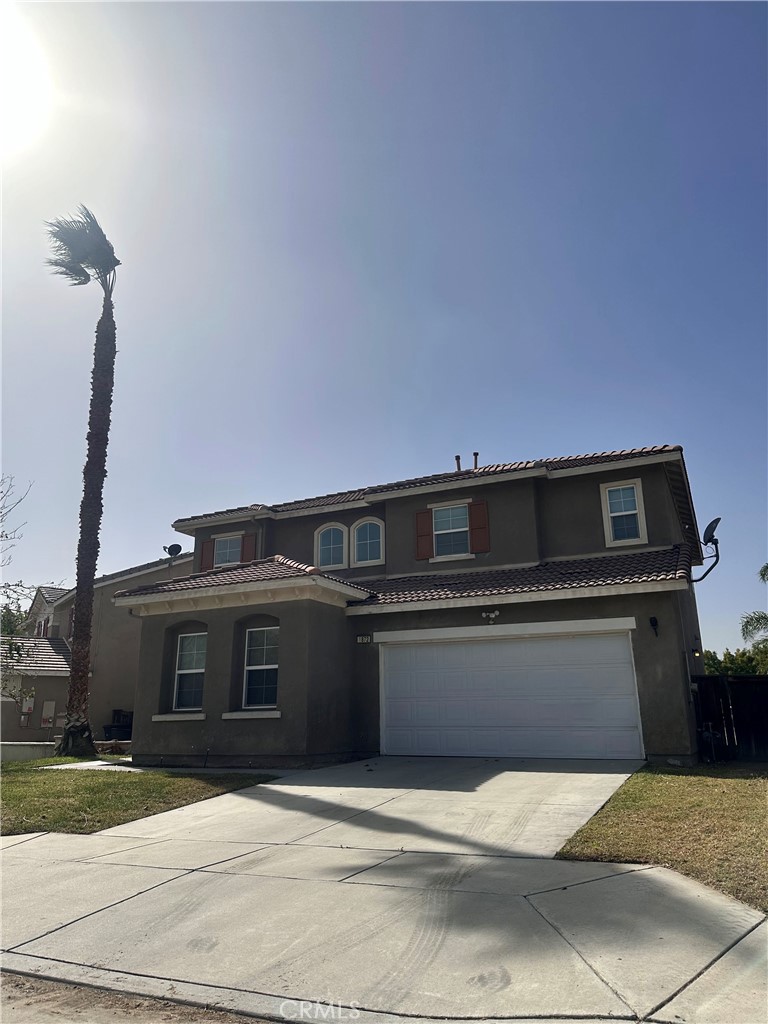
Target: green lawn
{"x":87,"y":801}
{"x":708,"y":822}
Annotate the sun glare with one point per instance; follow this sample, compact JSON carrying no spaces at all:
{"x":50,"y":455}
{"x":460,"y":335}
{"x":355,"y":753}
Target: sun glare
{"x":26,"y":88}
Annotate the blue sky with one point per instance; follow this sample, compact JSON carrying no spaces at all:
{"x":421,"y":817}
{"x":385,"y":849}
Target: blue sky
{"x":360,"y":238}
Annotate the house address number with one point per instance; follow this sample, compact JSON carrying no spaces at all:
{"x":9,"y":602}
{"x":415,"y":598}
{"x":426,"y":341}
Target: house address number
{"x":365,"y":638}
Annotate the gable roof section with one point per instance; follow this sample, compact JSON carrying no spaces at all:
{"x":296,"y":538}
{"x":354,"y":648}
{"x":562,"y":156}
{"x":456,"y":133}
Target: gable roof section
{"x":370,"y":494}
{"x":265,"y":570}
{"x":672,"y":565}
{"x":51,"y":594}
{"x":35,"y":655}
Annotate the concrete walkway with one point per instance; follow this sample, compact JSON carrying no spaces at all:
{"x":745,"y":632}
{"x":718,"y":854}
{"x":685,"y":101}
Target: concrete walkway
{"x":390,"y":888}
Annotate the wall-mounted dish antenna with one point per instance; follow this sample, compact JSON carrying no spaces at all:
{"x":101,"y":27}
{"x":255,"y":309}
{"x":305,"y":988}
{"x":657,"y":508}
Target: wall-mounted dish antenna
{"x":172,"y":550}
{"x":709,"y":540}
{"x":709,"y":533}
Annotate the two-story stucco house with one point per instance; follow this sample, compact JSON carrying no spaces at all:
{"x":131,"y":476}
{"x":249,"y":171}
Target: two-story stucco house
{"x":532,"y":609}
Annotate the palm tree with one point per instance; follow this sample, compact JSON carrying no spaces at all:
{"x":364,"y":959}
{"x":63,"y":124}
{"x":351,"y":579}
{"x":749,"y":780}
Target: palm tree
{"x":754,"y":625}
{"x":80,"y":253}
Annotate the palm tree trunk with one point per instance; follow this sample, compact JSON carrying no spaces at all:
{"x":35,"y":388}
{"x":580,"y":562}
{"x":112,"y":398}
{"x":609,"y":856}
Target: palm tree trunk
{"x":77,"y":739}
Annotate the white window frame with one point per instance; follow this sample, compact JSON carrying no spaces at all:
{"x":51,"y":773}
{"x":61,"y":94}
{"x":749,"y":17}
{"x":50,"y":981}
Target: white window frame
{"x":227,"y":536}
{"x":250,"y":668}
{"x":456,"y":555}
{"x":608,"y":517}
{"x":353,"y":560}
{"x":186,"y":671}
{"x":345,"y":545}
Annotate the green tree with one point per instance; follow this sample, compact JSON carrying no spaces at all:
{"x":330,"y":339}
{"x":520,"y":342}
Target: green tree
{"x":744,"y":661}
{"x":81,"y":252}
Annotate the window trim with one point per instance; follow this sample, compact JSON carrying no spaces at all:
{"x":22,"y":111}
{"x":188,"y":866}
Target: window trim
{"x":353,"y":560}
{"x":227,"y":536}
{"x":608,"y":517}
{"x":454,"y":555}
{"x":186,"y":671}
{"x":345,"y":546}
{"x":249,"y":668}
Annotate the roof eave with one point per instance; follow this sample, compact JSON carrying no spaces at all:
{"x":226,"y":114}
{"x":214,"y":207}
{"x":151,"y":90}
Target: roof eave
{"x":566,"y":593}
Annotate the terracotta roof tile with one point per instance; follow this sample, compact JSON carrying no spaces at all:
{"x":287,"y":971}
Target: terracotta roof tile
{"x":367,"y":493}
{"x":605,"y":571}
{"x":278,"y":567}
{"x":35,"y":655}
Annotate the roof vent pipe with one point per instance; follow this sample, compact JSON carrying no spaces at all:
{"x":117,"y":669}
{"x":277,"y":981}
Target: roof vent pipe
{"x":458,"y":463}
{"x":476,"y":456}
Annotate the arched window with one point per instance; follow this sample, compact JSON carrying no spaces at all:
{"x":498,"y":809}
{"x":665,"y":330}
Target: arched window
{"x":368,"y":542}
{"x":331,"y":546}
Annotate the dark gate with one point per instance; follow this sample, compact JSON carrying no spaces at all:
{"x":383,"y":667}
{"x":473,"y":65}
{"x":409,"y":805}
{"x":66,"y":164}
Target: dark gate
{"x":731,"y":717}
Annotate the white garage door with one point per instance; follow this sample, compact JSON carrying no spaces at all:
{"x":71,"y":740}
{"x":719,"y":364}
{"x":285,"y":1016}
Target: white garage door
{"x":548,"y":697}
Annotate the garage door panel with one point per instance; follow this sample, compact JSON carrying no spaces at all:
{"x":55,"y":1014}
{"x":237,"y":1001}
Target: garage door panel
{"x":517,"y":712}
{"x":548,"y":697}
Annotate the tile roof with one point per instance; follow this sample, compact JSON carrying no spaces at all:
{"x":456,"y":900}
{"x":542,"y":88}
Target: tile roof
{"x":604,"y":571}
{"x":367,"y":493}
{"x":158,"y":563}
{"x":278,"y":567}
{"x":35,"y":655}
{"x":51,"y":594}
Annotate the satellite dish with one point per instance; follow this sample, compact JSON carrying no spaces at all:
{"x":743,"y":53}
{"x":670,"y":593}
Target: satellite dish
{"x":175,"y":549}
{"x":709,"y":533}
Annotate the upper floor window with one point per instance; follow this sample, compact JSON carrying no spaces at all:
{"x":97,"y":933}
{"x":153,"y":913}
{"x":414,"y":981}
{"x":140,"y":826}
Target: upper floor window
{"x":261,"y":657}
{"x":331,"y":546}
{"x":190,"y":672}
{"x":368,"y":542}
{"x":226,"y":550}
{"x":451,"y":529}
{"x":623,"y":513}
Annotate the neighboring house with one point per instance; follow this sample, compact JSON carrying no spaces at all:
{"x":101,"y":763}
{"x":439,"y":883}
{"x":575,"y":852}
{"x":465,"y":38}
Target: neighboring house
{"x":36,"y":670}
{"x":533,"y":609}
{"x":114,"y":643}
{"x":40,"y":614}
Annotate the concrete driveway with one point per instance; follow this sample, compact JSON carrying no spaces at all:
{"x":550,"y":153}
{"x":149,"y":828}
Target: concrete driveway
{"x":393,"y":887}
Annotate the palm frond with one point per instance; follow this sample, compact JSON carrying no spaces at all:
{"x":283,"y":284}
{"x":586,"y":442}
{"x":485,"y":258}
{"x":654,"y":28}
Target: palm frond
{"x":754,"y":626}
{"x":75,"y":273}
{"x":763,"y":573}
{"x":80,"y":250}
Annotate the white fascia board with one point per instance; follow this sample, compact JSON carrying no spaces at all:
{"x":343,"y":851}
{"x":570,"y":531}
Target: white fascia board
{"x":191,"y":526}
{"x":539,"y":595}
{"x":612,"y":467}
{"x":254,"y":587}
{"x":569,"y":627}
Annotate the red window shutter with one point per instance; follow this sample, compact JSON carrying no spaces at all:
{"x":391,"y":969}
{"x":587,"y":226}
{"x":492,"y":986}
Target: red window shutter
{"x":206,"y":556}
{"x":479,"y":533}
{"x":248,"y":548}
{"x":425,"y":547}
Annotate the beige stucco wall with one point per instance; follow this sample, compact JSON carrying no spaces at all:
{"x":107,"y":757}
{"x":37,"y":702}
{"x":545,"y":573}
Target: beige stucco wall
{"x":115,"y":643}
{"x":45,"y":688}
